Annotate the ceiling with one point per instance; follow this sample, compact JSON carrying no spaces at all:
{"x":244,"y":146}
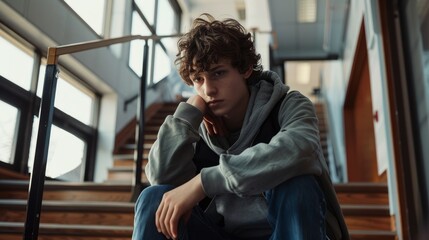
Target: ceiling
{"x":321,"y":39}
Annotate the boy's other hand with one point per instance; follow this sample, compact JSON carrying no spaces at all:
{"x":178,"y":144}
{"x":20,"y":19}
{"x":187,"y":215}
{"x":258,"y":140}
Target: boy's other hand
{"x":177,"y":204}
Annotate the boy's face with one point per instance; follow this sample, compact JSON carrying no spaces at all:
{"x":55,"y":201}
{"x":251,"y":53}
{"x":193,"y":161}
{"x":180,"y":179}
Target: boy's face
{"x":224,"y":89}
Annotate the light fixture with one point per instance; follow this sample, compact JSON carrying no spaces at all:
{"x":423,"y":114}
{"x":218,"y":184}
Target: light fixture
{"x":303,"y":71}
{"x":307,"y":11}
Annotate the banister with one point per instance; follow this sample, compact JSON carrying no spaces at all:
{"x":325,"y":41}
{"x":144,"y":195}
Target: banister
{"x":55,"y":52}
{"x":35,"y":196}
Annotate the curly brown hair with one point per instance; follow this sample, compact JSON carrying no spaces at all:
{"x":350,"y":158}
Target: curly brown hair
{"x":210,"y":41}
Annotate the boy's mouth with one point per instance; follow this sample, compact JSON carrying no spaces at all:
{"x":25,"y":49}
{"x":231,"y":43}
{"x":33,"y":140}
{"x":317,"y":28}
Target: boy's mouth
{"x":214,"y":103}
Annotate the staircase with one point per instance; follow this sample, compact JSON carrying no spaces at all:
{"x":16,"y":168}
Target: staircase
{"x":103,"y":211}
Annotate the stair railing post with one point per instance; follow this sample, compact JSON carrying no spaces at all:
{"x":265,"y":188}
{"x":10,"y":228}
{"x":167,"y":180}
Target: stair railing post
{"x":137,"y":185}
{"x":37,"y":181}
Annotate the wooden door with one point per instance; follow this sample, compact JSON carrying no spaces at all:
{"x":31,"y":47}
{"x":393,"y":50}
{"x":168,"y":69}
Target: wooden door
{"x":358,"y":119}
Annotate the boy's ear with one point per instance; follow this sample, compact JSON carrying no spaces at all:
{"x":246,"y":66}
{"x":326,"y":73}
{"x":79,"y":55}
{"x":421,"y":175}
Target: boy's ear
{"x":248,"y":72}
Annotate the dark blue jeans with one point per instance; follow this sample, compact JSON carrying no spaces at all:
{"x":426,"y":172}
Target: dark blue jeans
{"x":296,"y":210}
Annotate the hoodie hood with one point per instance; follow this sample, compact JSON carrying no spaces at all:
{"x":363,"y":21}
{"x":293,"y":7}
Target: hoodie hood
{"x":266,"y":90}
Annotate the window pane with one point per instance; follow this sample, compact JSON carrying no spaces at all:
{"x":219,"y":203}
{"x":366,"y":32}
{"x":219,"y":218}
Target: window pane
{"x":69,"y":98}
{"x":15,"y":64}
{"x":8,"y":122}
{"x":136,"y":46}
{"x":165,"y":23}
{"x":148,"y":9}
{"x":92,"y":12}
{"x":41,"y":81}
{"x":162,"y":67}
{"x":74,"y":102}
{"x":65,"y":157}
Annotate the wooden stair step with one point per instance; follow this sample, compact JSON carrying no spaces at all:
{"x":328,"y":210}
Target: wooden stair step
{"x":124,"y":162}
{"x":69,"y":212}
{"x":15,"y":230}
{"x":362,"y":193}
{"x":368,"y":223}
{"x":372,"y":235}
{"x":124,"y":173}
{"x":134,"y":147}
{"x":365,"y":210}
{"x":363,"y":198}
{"x":367,"y":217}
{"x":68,"y":191}
{"x":129,"y":156}
{"x":131,"y":151}
{"x":353,"y":187}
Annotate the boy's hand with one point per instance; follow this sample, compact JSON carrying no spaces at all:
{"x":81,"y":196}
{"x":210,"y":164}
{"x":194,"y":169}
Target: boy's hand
{"x":199,"y":103}
{"x":214,"y":124}
{"x":177,"y":204}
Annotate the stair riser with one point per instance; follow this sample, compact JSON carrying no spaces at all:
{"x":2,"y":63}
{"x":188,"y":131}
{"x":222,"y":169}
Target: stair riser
{"x":132,"y":151}
{"x":121,"y":176}
{"x":362,"y":198}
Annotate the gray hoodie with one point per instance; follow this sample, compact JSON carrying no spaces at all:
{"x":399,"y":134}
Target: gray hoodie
{"x":246,"y":171}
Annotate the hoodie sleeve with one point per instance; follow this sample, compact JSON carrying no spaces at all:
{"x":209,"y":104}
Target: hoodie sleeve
{"x":170,"y":158}
{"x":293,"y":151}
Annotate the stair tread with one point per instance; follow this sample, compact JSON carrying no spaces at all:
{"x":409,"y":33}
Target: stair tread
{"x":87,"y":230}
{"x":61,"y":205}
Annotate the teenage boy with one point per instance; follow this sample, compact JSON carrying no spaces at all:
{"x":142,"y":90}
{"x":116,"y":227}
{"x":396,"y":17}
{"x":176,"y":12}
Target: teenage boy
{"x":242,"y":158}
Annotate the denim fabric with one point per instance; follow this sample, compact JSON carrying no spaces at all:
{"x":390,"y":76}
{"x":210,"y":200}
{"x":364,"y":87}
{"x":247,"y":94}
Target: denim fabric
{"x":296,"y":210}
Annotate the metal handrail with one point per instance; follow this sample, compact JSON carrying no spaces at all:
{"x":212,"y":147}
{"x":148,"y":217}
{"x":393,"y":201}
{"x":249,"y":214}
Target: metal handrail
{"x":34,"y":202}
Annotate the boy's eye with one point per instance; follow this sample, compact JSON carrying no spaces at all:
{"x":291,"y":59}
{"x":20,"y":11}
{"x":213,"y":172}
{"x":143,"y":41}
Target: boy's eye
{"x":218,"y":73}
{"x":196,"y":79}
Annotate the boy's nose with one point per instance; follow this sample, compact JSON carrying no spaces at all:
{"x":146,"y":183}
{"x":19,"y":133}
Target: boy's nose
{"x":209,"y":88}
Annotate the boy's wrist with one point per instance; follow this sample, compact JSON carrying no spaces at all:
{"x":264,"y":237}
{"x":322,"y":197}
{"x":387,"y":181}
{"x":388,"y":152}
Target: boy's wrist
{"x":190,"y":114}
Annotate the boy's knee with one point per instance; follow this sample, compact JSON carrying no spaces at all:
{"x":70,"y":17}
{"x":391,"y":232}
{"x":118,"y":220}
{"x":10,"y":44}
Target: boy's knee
{"x":151,"y":196}
{"x":300,"y":187}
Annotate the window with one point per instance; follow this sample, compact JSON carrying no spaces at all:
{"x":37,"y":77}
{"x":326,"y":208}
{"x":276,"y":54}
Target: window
{"x":92,"y":12}
{"x":65,"y":157}
{"x":70,"y":98}
{"x":148,"y":9}
{"x":162,"y":66}
{"x":167,"y":24}
{"x":137,"y":46}
{"x":167,"y":19}
{"x":16,"y":64}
